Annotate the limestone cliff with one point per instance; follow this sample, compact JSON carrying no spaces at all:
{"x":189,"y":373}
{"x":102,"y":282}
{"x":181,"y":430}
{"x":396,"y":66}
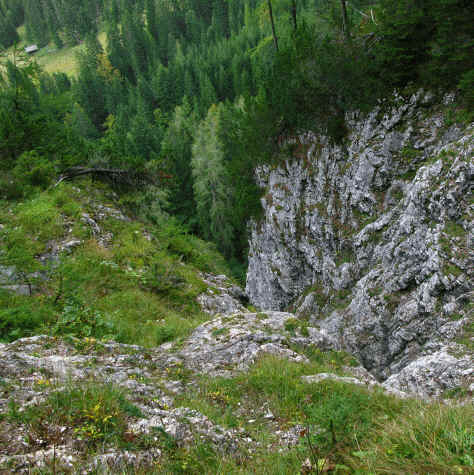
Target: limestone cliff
{"x":371,"y":240}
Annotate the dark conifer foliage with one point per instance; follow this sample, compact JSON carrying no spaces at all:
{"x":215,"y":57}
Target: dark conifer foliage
{"x":199,"y":91}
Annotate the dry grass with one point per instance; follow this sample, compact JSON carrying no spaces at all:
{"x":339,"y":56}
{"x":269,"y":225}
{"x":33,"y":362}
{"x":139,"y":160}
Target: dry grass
{"x":64,"y":60}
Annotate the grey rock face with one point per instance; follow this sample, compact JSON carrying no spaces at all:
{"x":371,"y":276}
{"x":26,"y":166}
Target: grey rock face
{"x":11,"y":281}
{"x":222,"y":296}
{"x":372,"y":240}
{"x":317,"y":378}
{"x":228,"y":344}
{"x":431,"y":375}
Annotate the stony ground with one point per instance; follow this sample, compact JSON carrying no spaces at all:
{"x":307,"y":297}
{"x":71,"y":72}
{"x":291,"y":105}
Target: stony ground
{"x":154,"y":381}
{"x":33,"y":368}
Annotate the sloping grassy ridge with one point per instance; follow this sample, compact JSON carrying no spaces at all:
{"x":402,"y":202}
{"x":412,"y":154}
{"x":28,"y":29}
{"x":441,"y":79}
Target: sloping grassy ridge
{"x":93,"y":272}
{"x":96,"y":274}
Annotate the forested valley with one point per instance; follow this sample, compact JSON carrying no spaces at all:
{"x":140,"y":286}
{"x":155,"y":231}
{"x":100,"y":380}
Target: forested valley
{"x":195,"y":94}
{"x":157,"y":156}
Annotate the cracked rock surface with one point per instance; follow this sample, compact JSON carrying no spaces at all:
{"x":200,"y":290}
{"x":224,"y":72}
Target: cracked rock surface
{"x":372,"y":241}
{"x":32,"y":369}
{"x":227,"y":344}
{"x":222,"y":296}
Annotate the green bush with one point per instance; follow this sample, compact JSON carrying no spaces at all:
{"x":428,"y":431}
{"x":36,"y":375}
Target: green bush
{"x":466,"y":87}
{"x":10,"y":189}
{"x":80,"y":320}
{"x":22,"y":316}
{"x":33,"y":169}
{"x":314,"y":80}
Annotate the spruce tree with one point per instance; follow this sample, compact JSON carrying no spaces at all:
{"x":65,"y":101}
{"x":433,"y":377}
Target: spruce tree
{"x":176,"y":158}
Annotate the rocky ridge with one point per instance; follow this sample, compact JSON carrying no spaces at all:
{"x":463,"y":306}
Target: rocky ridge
{"x":33,"y":369}
{"x":369,"y":246}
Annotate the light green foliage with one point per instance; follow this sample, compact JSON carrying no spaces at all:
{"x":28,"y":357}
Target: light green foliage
{"x":409,"y":154}
{"x":294,"y":324}
{"x":212,"y":187}
{"x":427,"y":439}
{"x":365,"y":431}
{"x":176,"y":148}
{"x":451,"y":269}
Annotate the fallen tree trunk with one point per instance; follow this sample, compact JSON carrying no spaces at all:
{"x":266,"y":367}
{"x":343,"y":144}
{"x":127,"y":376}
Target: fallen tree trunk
{"x":80,"y":171}
{"x":116,"y":175}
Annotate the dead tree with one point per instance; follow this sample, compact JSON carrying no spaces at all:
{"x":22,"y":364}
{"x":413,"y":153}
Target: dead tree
{"x":115,"y":175}
{"x":270,"y":11}
{"x":345,"y":22}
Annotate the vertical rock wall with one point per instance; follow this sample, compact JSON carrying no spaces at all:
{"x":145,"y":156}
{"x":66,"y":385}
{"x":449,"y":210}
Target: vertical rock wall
{"x":372,"y":239}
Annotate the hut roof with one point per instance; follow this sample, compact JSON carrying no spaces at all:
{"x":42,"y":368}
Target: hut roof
{"x":31,"y":49}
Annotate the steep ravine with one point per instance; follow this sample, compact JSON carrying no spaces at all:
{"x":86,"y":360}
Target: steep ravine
{"x":368,"y":249}
{"x":371,"y":241}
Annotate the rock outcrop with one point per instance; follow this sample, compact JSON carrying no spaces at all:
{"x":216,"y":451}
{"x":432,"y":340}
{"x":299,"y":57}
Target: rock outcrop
{"x":364,"y":248}
{"x":228,"y":344}
{"x":222,"y":296}
{"x":371,"y":241}
{"x":33,"y":369}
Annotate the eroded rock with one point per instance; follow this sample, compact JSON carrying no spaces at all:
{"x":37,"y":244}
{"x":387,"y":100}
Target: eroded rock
{"x":222,"y":296}
{"x":32,"y":369}
{"x":372,"y":240}
{"x":228,"y":344}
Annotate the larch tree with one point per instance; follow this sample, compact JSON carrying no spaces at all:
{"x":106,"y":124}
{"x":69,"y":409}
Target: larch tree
{"x":212,"y":187}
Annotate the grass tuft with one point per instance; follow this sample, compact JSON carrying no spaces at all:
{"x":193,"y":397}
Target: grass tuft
{"x":426,"y":439}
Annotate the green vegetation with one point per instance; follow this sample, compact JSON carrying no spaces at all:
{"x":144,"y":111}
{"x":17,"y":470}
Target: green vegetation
{"x":177,"y":108}
{"x":138,"y":287}
{"x":349,"y":429}
{"x":433,"y":439}
{"x":345,"y":428}
{"x":454,"y":229}
{"x":184,"y":87}
{"x":95,"y":414}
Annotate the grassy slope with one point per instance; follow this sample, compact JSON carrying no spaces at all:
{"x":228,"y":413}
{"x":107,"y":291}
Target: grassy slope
{"x":344,"y":428}
{"x":140,"y":288}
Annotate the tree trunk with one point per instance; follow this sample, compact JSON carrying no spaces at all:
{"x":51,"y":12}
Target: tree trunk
{"x":116,"y":175}
{"x":345,"y":23}
{"x":270,"y":11}
{"x":293,"y":14}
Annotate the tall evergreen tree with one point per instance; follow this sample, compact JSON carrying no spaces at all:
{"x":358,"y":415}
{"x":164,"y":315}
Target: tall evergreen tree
{"x":176,"y":153}
{"x":212,"y":187}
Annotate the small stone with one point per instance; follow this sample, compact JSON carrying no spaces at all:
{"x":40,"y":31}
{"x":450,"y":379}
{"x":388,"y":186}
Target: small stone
{"x":269,"y":416}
